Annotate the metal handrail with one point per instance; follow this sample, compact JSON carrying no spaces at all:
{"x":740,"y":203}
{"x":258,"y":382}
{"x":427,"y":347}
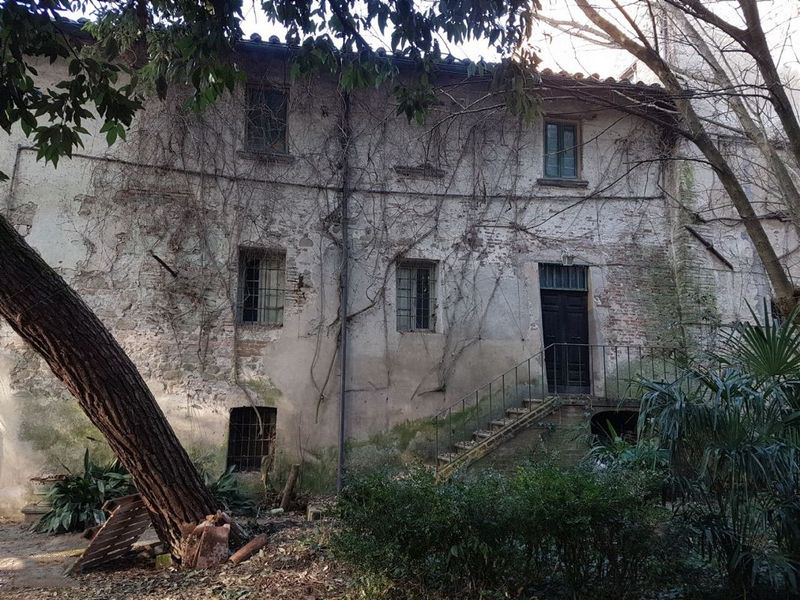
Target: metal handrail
{"x":591,"y":370}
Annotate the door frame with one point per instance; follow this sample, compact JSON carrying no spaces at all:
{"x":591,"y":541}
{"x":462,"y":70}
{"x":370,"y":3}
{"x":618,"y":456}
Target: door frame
{"x":564,"y":354}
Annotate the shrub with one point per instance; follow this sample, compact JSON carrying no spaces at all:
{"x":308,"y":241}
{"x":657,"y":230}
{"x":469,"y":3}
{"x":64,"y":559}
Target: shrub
{"x":617,"y":453}
{"x":598,"y":530}
{"x":731,"y":436}
{"x":227,"y":491}
{"x":573,"y":531}
{"x":77,"y":500}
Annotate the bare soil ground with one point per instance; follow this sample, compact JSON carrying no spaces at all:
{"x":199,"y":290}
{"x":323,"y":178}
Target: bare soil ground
{"x":296,"y":565}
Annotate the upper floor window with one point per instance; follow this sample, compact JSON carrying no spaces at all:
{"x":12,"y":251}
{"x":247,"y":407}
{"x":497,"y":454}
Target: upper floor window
{"x":416,"y":296}
{"x":561,"y":150}
{"x":265,"y":125}
{"x":262,"y":285}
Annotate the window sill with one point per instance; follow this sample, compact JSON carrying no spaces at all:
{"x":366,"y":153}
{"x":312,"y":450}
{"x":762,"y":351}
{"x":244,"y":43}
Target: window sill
{"x":424,"y":171}
{"x":270,"y":157}
{"x":256,"y":325}
{"x":404,"y":331}
{"x":562,"y":183}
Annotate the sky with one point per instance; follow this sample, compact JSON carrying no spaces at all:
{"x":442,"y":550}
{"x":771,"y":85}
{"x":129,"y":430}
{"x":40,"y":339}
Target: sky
{"x":560,"y":51}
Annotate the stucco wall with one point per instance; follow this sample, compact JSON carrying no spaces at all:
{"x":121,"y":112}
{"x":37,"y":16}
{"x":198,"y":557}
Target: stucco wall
{"x":183,"y":188}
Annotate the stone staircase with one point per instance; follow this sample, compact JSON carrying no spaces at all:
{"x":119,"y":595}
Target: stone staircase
{"x":465,"y":452}
{"x":521,"y":397}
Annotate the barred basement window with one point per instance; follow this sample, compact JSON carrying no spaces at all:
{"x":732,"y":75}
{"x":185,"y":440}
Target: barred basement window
{"x":265,"y":127}
{"x":262,"y":286}
{"x":251,"y":435}
{"x":416,"y":296}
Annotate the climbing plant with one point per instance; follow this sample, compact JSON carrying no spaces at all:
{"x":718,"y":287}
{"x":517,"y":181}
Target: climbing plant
{"x":131,"y":48}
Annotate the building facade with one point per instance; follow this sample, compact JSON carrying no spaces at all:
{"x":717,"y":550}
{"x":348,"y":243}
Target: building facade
{"x":211,"y":246}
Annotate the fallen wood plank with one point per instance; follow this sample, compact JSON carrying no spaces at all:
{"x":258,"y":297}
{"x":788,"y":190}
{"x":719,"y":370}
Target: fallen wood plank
{"x":110,"y":505}
{"x":127,"y":521}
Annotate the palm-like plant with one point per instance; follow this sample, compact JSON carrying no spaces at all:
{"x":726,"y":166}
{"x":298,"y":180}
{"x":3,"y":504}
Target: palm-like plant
{"x":615,"y":452}
{"x":730,"y":426}
{"x":77,"y":500}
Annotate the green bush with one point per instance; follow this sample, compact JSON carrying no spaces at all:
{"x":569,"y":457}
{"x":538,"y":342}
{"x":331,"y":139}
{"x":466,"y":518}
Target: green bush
{"x":615,"y":452}
{"x":227,"y":491}
{"x":572,"y":532}
{"x":77,"y":500}
{"x":730,"y":427}
{"x":599,"y":529}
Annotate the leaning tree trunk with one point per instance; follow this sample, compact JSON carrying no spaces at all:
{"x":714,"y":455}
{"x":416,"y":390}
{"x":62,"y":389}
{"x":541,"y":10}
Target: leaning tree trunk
{"x":52,"y":318}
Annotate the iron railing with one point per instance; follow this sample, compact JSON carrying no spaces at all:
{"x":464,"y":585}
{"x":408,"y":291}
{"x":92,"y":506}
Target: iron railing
{"x":592,"y":371}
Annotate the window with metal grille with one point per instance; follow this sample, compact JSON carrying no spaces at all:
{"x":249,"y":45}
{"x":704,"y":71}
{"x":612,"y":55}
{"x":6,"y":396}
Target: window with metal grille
{"x":251,"y":435}
{"x":561,"y":150}
{"x":416,"y":296}
{"x":265,"y":127}
{"x":560,"y":277}
{"x":262,"y":286}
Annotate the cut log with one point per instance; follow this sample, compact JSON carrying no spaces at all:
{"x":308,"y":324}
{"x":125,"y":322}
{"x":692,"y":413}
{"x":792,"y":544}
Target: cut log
{"x":164,"y":561}
{"x":250,"y":548}
{"x":213,"y":549}
{"x":288,"y":490}
{"x":206,"y":545}
{"x":190,"y":546}
{"x":151,"y":550}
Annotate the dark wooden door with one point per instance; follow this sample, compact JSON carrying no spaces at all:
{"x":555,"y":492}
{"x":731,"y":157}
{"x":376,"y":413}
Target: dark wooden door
{"x":565,"y":325}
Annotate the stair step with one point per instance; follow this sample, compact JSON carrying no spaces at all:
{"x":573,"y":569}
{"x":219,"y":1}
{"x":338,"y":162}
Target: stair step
{"x":485,"y":440}
{"x":466,"y":445}
{"x":447,"y":457}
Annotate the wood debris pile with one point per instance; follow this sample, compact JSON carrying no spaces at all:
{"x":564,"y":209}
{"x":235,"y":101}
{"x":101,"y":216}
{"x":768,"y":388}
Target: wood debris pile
{"x":206,"y":545}
{"x":296,"y":565}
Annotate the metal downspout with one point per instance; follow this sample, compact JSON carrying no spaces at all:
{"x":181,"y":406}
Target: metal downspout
{"x":345,"y":137}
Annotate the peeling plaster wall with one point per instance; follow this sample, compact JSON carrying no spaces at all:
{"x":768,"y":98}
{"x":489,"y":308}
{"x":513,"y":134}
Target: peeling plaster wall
{"x":183,"y":188}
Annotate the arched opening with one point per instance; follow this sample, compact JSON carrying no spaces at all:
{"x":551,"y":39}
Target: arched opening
{"x":623,"y":423}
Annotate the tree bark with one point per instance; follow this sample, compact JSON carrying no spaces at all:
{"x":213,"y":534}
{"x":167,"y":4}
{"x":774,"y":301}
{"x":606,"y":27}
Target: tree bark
{"x":82,"y":353}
